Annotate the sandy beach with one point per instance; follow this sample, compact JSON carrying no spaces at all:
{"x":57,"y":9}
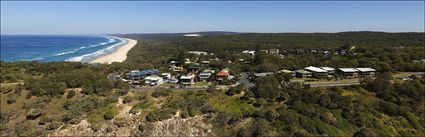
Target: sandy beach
{"x":119,"y":55}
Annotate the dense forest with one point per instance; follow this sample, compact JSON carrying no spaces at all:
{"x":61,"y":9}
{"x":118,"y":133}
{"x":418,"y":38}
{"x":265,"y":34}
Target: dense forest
{"x":39,"y":98}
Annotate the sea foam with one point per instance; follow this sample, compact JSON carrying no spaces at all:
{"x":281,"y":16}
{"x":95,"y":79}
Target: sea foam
{"x":91,"y":56}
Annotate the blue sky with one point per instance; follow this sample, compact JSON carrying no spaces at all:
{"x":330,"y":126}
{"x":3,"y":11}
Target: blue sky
{"x":71,"y":17}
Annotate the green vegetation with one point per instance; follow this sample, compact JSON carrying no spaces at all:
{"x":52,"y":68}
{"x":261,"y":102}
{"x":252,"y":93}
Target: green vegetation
{"x":40,"y":98}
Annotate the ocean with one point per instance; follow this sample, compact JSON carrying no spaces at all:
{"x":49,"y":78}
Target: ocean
{"x":48,"y":48}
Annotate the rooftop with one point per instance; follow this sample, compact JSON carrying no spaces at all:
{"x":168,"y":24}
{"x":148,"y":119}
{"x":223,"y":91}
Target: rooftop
{"x":327,"y":68}
{"x":365,"y":69}
{"x":348,"y":69}
{"x":302,"y":71}
{"x":315,"y":69}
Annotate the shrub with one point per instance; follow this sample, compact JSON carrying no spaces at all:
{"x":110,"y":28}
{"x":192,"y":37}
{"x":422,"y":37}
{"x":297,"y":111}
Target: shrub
{"x":71,"y":94}
{"x":70,"y":116}
{"x":44,"y":120}
{"x":108,"y":115}
{"x":53,"y":125}
{"x":161,"y":93}
{"x":127,"y":99}
{"x":11,"y":101}
{"x":33,"y":115}
{"x":365,"y":132}
{"x":329,"y":118}
{"x":271,"y":115}
{"x":159,"y":115}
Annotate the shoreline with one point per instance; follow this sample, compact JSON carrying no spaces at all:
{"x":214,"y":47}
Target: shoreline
{"x":118,"y":55}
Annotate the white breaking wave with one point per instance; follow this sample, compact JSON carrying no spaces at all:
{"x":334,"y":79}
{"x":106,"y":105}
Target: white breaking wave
{"x":110,"y":40}
{"x":91,"y":56}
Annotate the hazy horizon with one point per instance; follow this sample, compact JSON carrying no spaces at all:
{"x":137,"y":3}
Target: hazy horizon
{"x":109,"y":17}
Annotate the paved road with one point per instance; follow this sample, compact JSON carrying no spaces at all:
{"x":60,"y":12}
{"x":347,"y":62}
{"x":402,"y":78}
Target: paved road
{"x":330,"y":84}
{"x":154,"y":88}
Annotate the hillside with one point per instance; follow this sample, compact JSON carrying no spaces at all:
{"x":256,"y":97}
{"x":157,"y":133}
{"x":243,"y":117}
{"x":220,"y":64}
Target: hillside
{"x":76,"y":99}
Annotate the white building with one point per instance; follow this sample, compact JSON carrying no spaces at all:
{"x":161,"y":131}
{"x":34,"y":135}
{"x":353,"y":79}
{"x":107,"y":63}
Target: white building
{"x":317,"y":72}
{"x":366,"y":71}
{"x":188,"y":79}
{"x":330,"y":70}
{"x":192,"y":35}
{"x":198,"y":52}
{"x":153,"y":80}
{"x":204,"y":76}
{"x":166,"y":75}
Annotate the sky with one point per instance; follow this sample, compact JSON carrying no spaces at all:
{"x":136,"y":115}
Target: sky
{"x":105,"y":17}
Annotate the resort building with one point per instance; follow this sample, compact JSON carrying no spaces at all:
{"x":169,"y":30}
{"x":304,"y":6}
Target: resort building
{"x":286,"y":72}
{"x":317,"y":72}
{"x":301,"y":73}
{"x":347,"y":72}
{"x":188,"y":79}
{"x":366,"y":71}
{"x":153,"y":80}
{"x":274,"y":51}
{"x":140,"y":74}
{"x":331,"y":71}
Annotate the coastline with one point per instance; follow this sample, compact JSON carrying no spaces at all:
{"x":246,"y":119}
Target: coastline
{"x":118,"y":55}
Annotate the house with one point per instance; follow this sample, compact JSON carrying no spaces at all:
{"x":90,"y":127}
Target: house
{"x":331,"y":71}
{"x":366,"y":71}
{"x":274,"y":51}
{"x":114,"y":76}
{"x":176,"y":69}
{"x":187,"y":61}
{"x":249,"y":52}
{"x":166,"y":75}
{"x":140,"y":74}
{"x":204,"y":76}
{"x":301,"y":73}
{"x":205,"y":62}
{"x":193,"y":68}
{"x":198,"y":52}
{"x":209,"y":70}
{"x":264,"y":51}
{"x":153,"y":80}
{"x":317,"y":72}
{"x":300,"y":51}
{"x":188,"y":79}
{"x":347,"y":72}
{"x":222,"y":75}
{"x":175,"y":63}
{"x":286,"y":72}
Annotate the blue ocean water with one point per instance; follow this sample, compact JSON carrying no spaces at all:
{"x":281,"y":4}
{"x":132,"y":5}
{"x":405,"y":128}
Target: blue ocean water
{"x":45,"y":48}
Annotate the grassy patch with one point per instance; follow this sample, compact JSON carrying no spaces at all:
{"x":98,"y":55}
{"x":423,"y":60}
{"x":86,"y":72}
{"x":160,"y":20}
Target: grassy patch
{"x":97,"y":116}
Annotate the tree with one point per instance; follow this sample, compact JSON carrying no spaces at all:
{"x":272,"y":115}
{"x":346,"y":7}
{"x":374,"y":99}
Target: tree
{"x":267,"y":87}
{"x":102,"y":86}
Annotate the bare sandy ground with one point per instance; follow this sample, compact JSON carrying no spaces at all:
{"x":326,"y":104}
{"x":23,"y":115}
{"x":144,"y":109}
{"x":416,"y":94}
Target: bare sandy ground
{"x":118,"y":56}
